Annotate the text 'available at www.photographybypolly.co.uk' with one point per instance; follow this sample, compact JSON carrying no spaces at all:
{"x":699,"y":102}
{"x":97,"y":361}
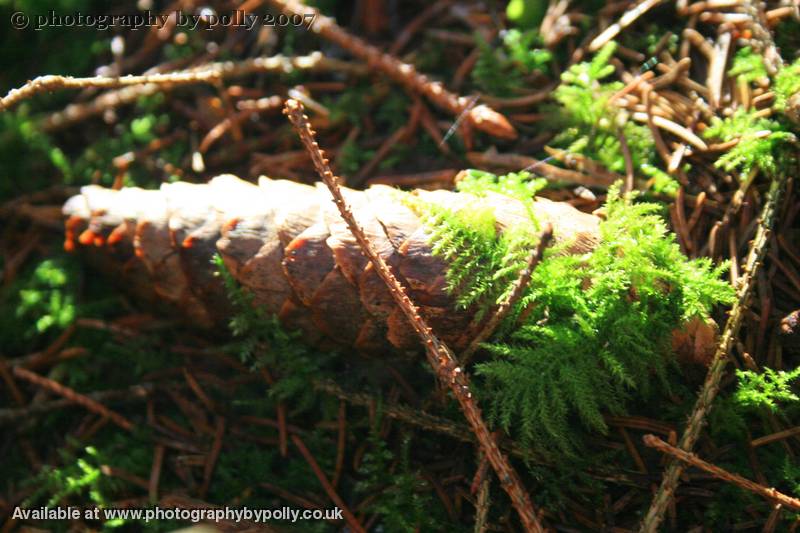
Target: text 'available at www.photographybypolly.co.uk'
{"x":150,"y":514}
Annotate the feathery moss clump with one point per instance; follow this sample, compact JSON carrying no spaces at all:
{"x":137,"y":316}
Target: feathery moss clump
{"x":483,"y":262}
{"x":760,"y":141}
{"x":748,"y":65}
{"x":786,"y":85}
{"x":502,"y":70}
{"x":766,"y":390}
{"x":262,"y":342}
{"x":591,"y":331}
{"x":591,"y":124}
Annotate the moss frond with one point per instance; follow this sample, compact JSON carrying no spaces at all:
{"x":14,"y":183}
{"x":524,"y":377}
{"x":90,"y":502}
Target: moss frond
{"x":767,"y":389}
{"x":660,"y":182}
{"x":526,"y":13}
{"x":501,"y":70}
{"x":482,"y":264}
{"x":261,"y":341}
{"x":786,"y":85}
{"x":748,"y":65}
{"x":518,"y":185}
{"x":401,"y":496}
{"x":760,"y":141}
{"x":592,"y":124}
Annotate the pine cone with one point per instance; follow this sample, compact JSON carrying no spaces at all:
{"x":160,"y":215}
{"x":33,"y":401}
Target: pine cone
{"x":287,"y":244}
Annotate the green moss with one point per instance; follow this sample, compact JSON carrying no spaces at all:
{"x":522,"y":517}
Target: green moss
{"x":760,"y":141}
{"x":660,"y":182}
{"x":596,"y":329}
{"x":29,"y":156}
{"x":42,"y":48}
{"x":403,"y":501}
{"x":261,"y":341}
{"x":79,"y":481}
{"x":33,"y":158}
{"x":352,"y":157}
{"x":526,"y":13}
{"x":38,"y":305}
{"x":518,"y":185}
{"x":766,"y":390}
{"x":748,"y":65}
{"x":502,"y":70}
{"x":483,"y":262}
{"x":592,"y":125}
{"x":786,"y":85}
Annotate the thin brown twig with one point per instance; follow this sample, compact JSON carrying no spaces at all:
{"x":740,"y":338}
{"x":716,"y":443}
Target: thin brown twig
{"x":14,"y":391}
{"x":775,"y":437}
{"x":716,"y":71}
{"x":697,"y":8}
{"x":198,"y":390}
{"x":73,"y":396}
{"x":439,"y":355}
{"x":661,"y":146}
{"x":291,"y":498}
{"x":669,"y":482}
{"x":280,"y":413}
{"x":696,"y":38}
{"x":131,"y":394}
{"x":121,"y":473}
{"x":482,"y":117}
{"x":234,"y":121}
{"x":626,"y":154}
{"x":170,"y":501}
{"x":517,"y":290}
{"x":632,"y":451}
{"x":341,"y":442}
{"x":586,"y":165}
{"x":772,"y":521}
{"x":78,"y":112}
{"x":383,"y":150}
{"x":494,"y":159}
{"x":213,"y":455}
{"x":414,"y":417}
{"x":676,"y":129}
{"x":352,"y":521}
{"x":416,"y":24}
{"x":155,"y":472}
{"x":774,"y":16}
{"x":672,"y":74}
{"x":54,"y":82}
{"x":689,"y":458}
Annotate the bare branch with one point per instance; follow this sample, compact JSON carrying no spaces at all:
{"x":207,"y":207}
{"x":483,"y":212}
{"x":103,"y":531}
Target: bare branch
{"x":349,"y":517}
{"x":73,"y":396}
{"x":50,"y":83}
{"x":130,"y":88}
{"x":689,"y":458}
{"x":482,"y":117}
{"x":439,"y":355}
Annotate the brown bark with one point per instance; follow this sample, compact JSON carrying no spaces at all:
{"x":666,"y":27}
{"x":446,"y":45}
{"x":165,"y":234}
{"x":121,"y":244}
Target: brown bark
{"x":287,"y":244}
